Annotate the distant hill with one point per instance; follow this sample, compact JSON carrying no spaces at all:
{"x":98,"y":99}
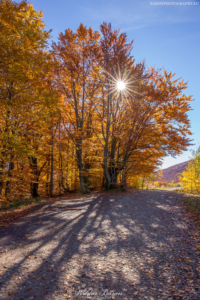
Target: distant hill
{"x":172,"y":173}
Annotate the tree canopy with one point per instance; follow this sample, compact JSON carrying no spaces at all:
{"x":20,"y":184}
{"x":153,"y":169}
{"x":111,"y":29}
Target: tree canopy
{"x":65,"y":124}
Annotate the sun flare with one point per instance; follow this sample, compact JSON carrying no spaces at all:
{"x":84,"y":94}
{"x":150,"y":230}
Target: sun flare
{"x":120,"y":85}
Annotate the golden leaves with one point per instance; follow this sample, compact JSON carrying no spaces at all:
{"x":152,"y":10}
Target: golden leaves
{"x":61,"y":121}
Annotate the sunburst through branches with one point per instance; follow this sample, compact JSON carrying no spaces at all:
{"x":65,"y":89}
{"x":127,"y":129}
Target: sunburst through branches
{"x":121,"y":85}
{"x":126,"y":84}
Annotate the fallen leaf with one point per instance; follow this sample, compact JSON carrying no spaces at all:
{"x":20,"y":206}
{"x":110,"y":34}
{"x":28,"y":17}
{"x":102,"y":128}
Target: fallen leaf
{"x":35,"y":277}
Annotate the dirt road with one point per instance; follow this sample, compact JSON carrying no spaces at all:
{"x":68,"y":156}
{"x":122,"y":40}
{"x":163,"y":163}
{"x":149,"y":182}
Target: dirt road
{"x":138,"y":245}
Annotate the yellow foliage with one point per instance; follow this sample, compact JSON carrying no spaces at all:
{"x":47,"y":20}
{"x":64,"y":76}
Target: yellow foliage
{"x":64,"y":125}
{"x":190,"y":178}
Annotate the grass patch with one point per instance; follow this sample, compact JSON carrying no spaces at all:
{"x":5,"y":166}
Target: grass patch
{"x":179,"y":191}
{"x":193,"y":203}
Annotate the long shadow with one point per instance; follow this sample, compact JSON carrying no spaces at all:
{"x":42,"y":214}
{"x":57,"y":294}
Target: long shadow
{"x":109,"y":245}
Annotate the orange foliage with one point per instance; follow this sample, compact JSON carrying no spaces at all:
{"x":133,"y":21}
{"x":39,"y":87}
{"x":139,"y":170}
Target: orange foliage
{"x":64,"y":124}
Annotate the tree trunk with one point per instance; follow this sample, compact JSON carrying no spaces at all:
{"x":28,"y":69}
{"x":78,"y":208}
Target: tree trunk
{"x":114,"y":179}
{"x":36,"y":174}
{"x":34,"y":188}
{"x":123,"y":175}
{"x":123,"y":182}
{"x":51,"y":179}
{"x":103,"y":182}
{"x":112,"y":168}
{"x":10,"y":168}
{"x":106,"y":170}
{"x":80,"y":166}
{"x":47,"y":181}
{"x":1,"y":176}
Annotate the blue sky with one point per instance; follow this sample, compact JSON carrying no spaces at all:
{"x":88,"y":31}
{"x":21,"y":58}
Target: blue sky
{"x":164,"y":36}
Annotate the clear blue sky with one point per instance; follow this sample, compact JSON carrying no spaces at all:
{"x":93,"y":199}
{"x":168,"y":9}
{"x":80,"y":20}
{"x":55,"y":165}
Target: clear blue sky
{"x":164,"y":35}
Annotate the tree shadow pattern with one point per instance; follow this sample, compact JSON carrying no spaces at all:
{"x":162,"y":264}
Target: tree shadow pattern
{"x":102,"y":246}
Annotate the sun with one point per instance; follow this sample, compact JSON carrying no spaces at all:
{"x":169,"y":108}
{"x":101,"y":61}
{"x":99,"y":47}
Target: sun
{"x":121,"y":85}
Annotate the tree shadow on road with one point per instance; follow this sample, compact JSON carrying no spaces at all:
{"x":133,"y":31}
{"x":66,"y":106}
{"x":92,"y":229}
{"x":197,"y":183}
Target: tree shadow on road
{"x":104,"y":245}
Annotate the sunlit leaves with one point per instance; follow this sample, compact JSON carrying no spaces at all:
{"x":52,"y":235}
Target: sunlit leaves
{"x":190,"y":178}
{"x":64,"y":124}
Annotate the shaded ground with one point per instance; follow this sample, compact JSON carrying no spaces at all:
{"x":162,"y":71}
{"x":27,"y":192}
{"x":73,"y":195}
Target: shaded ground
{"x":141,"y":245}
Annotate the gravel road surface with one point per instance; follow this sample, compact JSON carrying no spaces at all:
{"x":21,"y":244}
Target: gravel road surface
{"x":137,"y":245}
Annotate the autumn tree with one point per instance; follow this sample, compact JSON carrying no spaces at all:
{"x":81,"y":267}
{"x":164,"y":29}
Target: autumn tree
{"x":23,"y":59}
{"x":149,"y":115}
{"x":155,"y":122}
{"x":76,"y":77}
{"x":114,"y":61}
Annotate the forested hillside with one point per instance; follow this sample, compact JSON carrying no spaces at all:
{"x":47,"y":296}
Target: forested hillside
{"x":173,"y":173}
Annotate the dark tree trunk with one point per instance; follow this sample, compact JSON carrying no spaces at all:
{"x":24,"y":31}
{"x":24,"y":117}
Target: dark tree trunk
{"x":114,"y":179}
{"x":36,"y":174}
{"x":106,"y":169}
{"x":51,"y":179}
{"x":47,"y":181}
{"x":1,"y":176}
{"x":103,"y":182}
{"x":80,"y":166}
{"x":123,"y":182}
{"x":34,"y":189}
{"x":87,"y":180}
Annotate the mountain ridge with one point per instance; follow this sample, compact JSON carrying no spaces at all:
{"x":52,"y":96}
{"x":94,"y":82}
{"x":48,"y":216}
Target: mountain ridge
{"x":172,"y":173}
